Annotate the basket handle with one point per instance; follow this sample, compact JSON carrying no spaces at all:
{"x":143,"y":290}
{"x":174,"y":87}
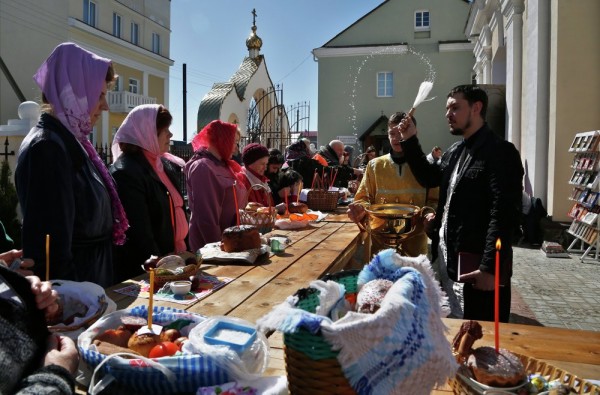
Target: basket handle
{"x":267,"y":191}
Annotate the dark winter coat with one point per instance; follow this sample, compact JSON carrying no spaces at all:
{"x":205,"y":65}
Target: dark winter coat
{"x":486,"y":201}
{"x":148,"y":207}
{"x":23,"y":344}
{"x":62,"y":195}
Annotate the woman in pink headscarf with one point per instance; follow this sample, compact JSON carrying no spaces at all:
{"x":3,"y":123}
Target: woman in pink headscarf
{"x":64,"y":188}
{"x":214,"y":183}
{"x":147,"y":178}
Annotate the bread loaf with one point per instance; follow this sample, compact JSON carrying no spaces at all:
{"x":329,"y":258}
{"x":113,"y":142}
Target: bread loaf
{"x":240,"y":238}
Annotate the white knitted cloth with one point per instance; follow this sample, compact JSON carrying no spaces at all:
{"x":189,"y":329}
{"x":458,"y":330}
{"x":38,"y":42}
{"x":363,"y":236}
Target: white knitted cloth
{"x":401,"y":348}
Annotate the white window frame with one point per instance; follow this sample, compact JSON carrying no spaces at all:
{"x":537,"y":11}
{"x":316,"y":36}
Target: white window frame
{"x":90,"y":17}
{"x":135,"y":33}
{"x":423,"y":26}
{"x":134,"y":85}
{"x":388,"y":84}
{"x":156,"y":43}
{"x":117,"y":25}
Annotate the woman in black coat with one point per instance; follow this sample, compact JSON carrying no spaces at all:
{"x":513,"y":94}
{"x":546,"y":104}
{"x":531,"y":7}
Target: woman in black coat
{"x":148,"y":180}
{"x":64,"y":188}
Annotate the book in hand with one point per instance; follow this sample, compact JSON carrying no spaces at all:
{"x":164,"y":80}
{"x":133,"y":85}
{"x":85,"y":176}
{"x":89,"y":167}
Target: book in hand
{"x":554,"y":250}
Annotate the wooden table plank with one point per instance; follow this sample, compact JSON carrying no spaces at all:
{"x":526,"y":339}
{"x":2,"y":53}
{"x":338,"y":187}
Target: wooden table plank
{"x":338,"y":215}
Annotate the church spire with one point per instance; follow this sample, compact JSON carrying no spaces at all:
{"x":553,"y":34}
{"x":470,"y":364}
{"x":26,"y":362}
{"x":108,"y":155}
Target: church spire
{"x":253,"y":42}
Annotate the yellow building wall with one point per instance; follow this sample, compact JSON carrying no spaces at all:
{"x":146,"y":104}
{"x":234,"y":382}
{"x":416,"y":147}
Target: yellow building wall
{"x":574,"y":90}
{"x":156,"y":88}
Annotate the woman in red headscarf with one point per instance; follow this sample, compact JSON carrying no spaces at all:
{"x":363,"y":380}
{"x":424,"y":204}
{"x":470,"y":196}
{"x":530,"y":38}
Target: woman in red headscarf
{"x":214,"y":183}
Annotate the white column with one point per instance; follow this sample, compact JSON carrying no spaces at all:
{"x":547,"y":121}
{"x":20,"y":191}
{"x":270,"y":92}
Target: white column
{"x":513,"y":12}
{"x":145,"y":84}
{"x":166,"y":90}
{"x":105,"y":126}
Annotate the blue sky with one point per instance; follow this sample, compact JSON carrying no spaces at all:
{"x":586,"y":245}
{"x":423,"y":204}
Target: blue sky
{"x":209,"y":36}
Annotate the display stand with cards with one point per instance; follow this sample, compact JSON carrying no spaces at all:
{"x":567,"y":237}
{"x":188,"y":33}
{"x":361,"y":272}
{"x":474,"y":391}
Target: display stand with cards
{"x":585,"y":195}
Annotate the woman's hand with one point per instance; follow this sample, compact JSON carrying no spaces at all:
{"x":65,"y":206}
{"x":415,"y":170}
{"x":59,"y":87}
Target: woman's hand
{"x":62,"y":352}
{"x":14,"y":256}
{"x":45,"y":297}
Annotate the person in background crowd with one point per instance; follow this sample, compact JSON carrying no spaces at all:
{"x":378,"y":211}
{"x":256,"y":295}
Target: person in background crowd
{"x":480,"y":202}
{"x":370,"y":153}
{"x":348,"y":158}
{"x":148,"y":179}
{"x":64,"y":188}
{"x":255,"y":157}
{"x":215,"y":183}
{"x":389,"y":179}
{"x":435,"y":155}
{"x":282,"y":183}
{"x":33,"y":360}
{"x":298,"y":159}
{"x":332,"y":156}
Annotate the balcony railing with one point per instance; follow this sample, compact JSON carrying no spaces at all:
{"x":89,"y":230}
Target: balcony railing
{"x":125,"y":101}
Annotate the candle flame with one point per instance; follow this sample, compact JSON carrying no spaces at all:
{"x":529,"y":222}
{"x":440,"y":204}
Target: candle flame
{"x":498,"y":244}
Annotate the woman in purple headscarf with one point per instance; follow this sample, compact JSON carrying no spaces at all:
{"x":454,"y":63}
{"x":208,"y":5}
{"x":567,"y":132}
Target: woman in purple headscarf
{"x":70,"y":206}
{"x":148,"y":179}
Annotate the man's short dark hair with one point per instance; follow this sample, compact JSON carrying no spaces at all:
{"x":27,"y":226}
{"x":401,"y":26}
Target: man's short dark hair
{"x":397,"y":117}
{"x":472,"y":94}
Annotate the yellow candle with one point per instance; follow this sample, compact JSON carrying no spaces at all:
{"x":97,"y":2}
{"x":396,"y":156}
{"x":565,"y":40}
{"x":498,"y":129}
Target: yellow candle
{"x":47,"y":257}
{"x":151,"y":299}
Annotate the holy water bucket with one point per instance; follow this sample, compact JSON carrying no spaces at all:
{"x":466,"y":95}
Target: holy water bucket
{"x":393,"y":223}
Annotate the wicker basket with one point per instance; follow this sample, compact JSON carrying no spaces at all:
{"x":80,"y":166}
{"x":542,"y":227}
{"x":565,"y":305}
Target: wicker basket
{"x":264,"y":222}
{"x":322,"y":200}
{"x":534,"y":366}
{"x":188,"y":271}
{"x":312,"y":367}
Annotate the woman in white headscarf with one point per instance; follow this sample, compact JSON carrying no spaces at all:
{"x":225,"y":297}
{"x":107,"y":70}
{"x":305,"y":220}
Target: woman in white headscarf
{"x":148,"y":179}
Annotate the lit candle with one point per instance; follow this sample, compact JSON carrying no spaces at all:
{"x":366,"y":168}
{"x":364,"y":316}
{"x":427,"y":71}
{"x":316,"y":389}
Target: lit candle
{"x":47,"y":257}
{"x":497,"y":297}
{"x":237,"y":209}
{"x":299,"y":191}
{"x":285,"y":198}
{"x":151,"y":299}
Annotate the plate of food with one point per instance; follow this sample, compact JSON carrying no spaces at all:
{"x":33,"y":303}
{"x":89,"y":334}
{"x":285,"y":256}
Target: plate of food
{"x":80,"y":304}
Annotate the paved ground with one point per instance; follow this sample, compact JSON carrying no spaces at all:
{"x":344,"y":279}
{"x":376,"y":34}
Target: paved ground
{"x":556,"y":292}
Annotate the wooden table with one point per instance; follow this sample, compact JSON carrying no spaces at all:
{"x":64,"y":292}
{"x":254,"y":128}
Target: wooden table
{"x":327,"y":247}
{"x":338,"y":215}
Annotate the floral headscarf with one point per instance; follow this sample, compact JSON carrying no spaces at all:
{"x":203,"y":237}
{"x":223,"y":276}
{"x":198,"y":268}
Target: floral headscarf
{"x":72,"y":79}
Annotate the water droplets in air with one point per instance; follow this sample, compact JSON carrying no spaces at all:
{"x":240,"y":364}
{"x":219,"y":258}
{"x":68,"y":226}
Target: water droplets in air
{"x":428,"y":77}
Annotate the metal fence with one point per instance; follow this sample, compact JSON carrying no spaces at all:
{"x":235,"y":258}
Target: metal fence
{"x":185,"y":152}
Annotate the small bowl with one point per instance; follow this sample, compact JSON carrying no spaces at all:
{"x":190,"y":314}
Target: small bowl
{"x":180,"y":287}
{"x":237,"y":337}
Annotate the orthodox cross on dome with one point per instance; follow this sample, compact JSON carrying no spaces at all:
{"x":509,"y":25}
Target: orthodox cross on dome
{"x":253,"y":17}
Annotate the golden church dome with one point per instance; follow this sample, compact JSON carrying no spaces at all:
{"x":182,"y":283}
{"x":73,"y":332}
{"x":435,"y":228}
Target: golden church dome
{"x":253,"y":41}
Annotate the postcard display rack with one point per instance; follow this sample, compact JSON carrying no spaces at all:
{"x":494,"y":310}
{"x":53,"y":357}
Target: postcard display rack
{"x":584,"y":196}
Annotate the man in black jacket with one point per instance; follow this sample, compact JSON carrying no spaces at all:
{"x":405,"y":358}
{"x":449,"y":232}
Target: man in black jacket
{"x":481,"y":180}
